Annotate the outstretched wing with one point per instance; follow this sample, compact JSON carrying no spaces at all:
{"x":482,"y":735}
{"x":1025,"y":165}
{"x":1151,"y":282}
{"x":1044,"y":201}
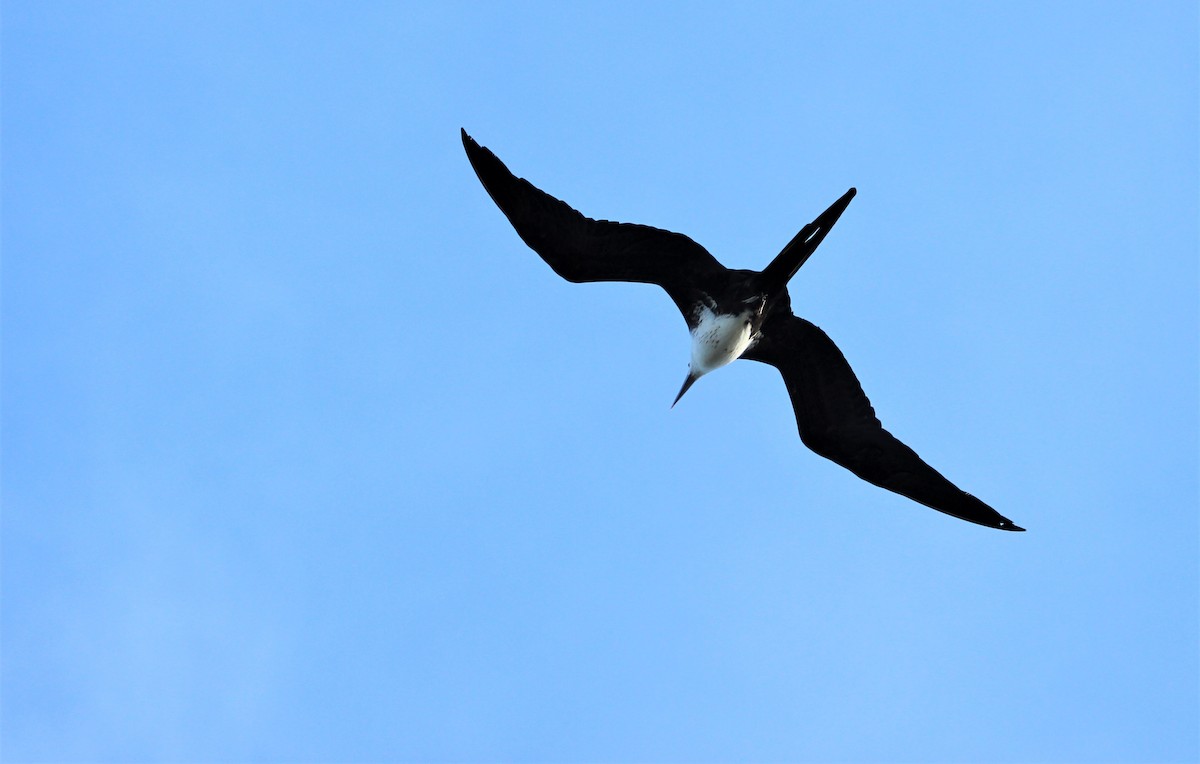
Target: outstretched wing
{"x":581,"y":249}
{"x":836,"y":421}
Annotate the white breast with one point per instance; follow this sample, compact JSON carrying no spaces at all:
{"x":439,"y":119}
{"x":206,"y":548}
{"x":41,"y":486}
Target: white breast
{"x":718,"y":339}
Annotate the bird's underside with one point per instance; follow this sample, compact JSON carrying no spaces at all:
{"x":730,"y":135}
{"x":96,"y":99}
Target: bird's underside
{"x":833,"y":415}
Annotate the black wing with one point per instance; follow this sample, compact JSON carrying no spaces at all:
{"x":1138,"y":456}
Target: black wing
{"x":581,"y":249}
{"x":836,"y":421}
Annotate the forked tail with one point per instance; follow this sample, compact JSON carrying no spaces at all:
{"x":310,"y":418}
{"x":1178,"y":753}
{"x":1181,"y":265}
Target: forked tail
{"x":776,"y":275}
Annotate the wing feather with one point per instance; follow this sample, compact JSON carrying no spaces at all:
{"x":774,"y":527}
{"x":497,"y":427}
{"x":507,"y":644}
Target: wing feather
{"x":581,"y":249}
{"x":836,"y":420}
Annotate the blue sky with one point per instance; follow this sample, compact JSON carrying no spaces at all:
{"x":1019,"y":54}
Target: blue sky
{"x":307,"y":458}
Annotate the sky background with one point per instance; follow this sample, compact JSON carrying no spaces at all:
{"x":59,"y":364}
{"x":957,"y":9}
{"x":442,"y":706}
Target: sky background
{"x":306,"y":457}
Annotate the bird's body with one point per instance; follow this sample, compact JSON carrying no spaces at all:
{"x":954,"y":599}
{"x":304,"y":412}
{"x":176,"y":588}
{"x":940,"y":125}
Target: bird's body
{"x":734,"y":314}
{"x":719,"y":339}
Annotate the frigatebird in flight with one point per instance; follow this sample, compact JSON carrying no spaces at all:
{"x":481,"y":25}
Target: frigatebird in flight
{"x":735,"y":314}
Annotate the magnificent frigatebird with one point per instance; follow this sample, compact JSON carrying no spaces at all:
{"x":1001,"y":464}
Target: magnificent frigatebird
{"x":735,"y":314}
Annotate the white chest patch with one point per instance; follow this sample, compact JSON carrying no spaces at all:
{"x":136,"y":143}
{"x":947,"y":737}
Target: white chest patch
{"x":718,"y":340}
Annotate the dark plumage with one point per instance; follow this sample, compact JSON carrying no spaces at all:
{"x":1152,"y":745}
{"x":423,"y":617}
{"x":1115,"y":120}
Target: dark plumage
{"x":731,"y":314}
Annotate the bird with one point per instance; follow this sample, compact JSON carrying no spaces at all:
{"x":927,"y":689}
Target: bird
{"x":735,"y":314}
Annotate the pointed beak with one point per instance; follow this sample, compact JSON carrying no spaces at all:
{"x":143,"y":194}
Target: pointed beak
{"x":691,"y":378}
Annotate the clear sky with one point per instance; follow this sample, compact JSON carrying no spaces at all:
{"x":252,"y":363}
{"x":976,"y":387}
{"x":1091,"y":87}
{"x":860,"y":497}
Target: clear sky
{"x":306,"y":457}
